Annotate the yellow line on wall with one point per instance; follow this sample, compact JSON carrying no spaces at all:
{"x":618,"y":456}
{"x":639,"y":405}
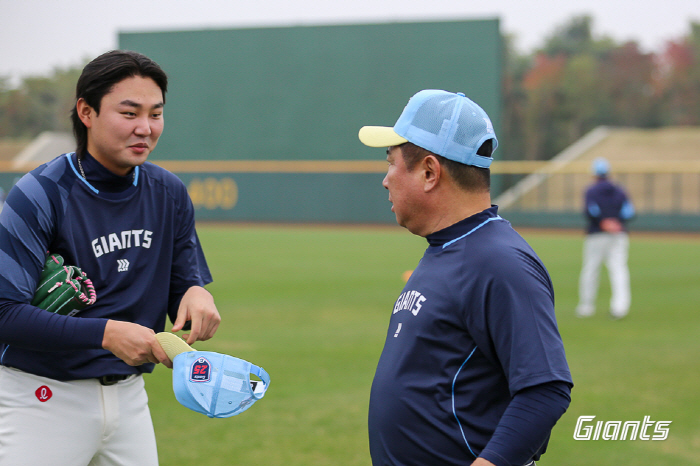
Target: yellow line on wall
{"x":380,"y":166}
{"x":276,"y":166}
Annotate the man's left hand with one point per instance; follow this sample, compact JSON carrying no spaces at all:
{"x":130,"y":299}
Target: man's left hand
{"x":197,"y":305}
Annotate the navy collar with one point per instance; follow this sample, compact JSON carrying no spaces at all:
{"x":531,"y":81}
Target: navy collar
{"x":100,"y":179}
{"x":447,"y":236}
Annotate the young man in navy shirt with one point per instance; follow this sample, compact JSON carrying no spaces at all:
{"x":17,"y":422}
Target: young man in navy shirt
{"x":473,"y":369}
{"x":71,"y":390}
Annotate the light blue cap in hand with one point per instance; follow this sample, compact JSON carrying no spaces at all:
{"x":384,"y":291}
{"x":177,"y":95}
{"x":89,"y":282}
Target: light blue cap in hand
{"x":213,"y":384}
{"x":216,"y":384}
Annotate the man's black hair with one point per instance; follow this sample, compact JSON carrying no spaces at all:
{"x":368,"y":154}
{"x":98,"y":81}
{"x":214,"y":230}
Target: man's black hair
{"x":468,"y":177}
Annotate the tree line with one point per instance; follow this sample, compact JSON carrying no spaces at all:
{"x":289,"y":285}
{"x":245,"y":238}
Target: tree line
{"x":576,"y":82}
{"x":551,"y":96}
{"x":39,"y":103}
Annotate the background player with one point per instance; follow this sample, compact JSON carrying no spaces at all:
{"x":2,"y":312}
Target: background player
{"x":71,"y":390}
{"x":473,"y":367}
{"x":607,"y":209}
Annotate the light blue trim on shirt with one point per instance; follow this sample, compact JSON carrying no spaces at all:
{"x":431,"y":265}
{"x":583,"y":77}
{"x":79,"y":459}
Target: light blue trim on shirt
{"x":594,"y":210}
{"x":70,"y":161}
{"x":2,"y":356}
{"x":454,"y":381}
{"x":627,"y":211}
{"x":497,"y":217}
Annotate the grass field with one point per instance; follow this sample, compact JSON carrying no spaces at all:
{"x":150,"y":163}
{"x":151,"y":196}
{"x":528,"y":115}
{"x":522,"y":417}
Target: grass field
{"x":311,"y":305}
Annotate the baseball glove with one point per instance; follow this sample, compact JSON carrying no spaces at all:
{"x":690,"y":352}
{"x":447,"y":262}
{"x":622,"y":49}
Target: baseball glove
{"x":63,"y":289}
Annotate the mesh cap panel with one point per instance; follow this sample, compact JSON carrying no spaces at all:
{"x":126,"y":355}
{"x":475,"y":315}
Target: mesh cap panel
{"x":433,"y":114}
{"x":447,"y":124}
{"x":469,"y":130}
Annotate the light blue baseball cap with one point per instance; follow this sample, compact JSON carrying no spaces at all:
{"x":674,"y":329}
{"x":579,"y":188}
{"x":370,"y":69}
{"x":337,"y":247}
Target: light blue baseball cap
{"x":600,"y":167}
{"x":214,"y":384}
{"x":442,"y":122}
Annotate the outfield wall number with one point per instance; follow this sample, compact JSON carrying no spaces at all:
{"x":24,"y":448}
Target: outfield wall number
{"x":213,"y":193}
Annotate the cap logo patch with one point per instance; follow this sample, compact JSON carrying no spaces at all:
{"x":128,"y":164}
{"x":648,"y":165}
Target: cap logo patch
{"x":201,"y":370}
{"x":43,"y":393}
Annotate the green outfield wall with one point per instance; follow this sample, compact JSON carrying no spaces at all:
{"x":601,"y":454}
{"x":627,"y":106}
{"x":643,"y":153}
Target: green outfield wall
{"x":644,"y":221}
{"x":301,"y":94}
{"x":242,"y":197}
{"x":351,"y":194}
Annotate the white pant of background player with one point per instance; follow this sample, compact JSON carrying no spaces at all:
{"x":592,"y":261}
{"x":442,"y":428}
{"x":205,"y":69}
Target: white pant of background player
{"x":611,"y":248}
{"x":78,"y":423}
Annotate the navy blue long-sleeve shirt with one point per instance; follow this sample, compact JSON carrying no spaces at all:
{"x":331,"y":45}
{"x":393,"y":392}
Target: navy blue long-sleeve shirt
{"x":472,"y":343}
{"x":134,"y":237}
{"x":604,"y":199}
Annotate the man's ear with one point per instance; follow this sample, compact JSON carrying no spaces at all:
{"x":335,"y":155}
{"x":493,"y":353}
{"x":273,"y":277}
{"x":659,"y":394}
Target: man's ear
{"x":85,"y":112}
{"x":432,"y":172}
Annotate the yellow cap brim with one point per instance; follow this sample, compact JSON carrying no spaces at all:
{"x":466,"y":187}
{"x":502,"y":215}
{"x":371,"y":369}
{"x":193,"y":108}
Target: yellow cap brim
{"x":380,"y":136}
{"x":172,"y":344}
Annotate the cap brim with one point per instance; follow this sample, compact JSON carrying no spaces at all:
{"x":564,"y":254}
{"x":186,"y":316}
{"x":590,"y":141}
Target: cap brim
{"x":172,"y":344}
{"x":380,"y":136}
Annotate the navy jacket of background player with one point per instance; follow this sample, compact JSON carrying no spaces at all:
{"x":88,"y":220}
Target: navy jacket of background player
{"x":106,"y":190}
{"x":606,"y":205}
{"x":473,"y":367}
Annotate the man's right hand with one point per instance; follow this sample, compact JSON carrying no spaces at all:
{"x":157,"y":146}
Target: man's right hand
{"x":133,"y":343}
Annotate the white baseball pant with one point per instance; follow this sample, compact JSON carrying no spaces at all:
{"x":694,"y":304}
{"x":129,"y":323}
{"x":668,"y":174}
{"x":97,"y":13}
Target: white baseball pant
{"x":78,"y":423}
{"x":611,"y":248}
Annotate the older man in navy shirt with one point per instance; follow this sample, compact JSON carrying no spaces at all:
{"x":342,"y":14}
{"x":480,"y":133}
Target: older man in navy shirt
{"x":473,"y":369}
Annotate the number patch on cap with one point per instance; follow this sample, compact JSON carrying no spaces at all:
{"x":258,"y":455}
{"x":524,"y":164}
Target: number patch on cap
{"x":201,"y":370}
